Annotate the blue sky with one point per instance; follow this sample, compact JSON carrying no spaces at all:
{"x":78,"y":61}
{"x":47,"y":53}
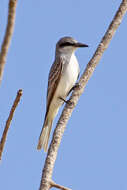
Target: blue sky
{"x":93,"y":152}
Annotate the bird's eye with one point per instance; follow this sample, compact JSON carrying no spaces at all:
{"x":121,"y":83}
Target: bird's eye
{"x":66,"y":44}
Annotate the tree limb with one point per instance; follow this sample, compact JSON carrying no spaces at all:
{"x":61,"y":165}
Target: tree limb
{"x":58,"y":133}
{"x":8,"y":35}
{"x":4,"y":136}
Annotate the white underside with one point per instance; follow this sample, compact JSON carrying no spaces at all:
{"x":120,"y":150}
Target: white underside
{"x":68,"y":79}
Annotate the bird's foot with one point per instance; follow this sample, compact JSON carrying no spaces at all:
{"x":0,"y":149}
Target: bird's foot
{"x":66,"y":101}
{"x":77,"y":85}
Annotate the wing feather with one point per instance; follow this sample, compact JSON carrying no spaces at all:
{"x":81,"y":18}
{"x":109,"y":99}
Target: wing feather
{"x":53,"y":80}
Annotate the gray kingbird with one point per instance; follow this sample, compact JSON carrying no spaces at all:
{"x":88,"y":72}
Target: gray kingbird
{"x":62,"y":78}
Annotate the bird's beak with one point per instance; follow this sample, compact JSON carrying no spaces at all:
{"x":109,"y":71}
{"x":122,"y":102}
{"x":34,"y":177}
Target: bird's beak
{"x":78,"y":44}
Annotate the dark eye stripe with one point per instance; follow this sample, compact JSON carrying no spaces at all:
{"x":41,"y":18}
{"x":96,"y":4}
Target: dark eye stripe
{"x":66,"y":44}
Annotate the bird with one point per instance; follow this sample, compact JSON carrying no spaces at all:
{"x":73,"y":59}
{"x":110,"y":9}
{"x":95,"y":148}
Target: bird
{"x":62,"y":78}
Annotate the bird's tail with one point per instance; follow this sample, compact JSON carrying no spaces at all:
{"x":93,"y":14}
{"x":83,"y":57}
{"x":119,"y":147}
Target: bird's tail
{"x":44,"y":136}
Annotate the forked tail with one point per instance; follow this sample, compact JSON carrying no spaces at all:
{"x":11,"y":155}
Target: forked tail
{"x":44,"y":136}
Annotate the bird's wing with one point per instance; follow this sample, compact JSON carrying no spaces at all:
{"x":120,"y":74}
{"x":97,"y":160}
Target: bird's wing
{"x":53,"y":80}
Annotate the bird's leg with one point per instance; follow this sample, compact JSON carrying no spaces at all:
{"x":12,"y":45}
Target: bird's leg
{"x":77,"y":85}
{"x":65,"y":101}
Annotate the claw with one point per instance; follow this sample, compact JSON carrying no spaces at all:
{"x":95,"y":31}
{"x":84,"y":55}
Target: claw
{"x":66,"y":101}
{"x":77,"y":85}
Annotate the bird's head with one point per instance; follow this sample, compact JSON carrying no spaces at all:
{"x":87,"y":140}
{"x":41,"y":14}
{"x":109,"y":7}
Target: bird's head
{"x":68,"y":45}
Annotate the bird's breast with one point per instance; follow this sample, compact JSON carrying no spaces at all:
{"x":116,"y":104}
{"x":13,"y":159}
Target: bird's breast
{"x":68,"y":77}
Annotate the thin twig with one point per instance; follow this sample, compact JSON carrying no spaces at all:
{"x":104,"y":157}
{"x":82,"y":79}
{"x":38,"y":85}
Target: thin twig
{"x":58,"y":133}
{"x":4,"y":136}
{"x":53,"y":184}
{"x":8,"y":35}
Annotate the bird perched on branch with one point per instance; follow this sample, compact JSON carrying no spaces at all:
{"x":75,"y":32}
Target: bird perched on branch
{"x":62,"y":78}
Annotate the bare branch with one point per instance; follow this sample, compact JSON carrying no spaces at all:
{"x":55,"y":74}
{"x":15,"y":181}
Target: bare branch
{"x":8,"y":35}
{"x":4,"y":136}
{"x":58,"y":133}
{"x":53,"y":184}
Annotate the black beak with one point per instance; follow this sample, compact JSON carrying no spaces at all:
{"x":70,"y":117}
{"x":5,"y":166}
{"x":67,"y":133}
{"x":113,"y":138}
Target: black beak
{"x":78,"y":44}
